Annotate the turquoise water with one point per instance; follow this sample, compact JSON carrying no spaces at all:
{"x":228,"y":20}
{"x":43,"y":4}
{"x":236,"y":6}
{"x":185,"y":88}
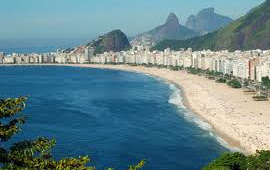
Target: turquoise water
{"x":115,"y":117}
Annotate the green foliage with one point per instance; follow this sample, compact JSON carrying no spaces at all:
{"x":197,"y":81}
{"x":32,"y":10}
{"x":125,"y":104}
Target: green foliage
{"x":150,"y":65}
{"x":266,"y":82}
{"x":194,"y":71}
{"x":162,"y":66}
{"x":259,"y":161}
{"x":8,"y":109}
{"x":176,"y":68}
{"x":213,"y":73}
{"x":32,"y":154}
{"x":100,"y":49}
{"x":234,"y":84}
{"x":234,"y":161}
{"x":133,"y":64}
{"x":221,"y":80}
{"x":238,"y":161}
{"x":138,"y":166}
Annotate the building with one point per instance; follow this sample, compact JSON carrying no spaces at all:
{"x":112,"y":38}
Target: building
{"x":89,"y":53}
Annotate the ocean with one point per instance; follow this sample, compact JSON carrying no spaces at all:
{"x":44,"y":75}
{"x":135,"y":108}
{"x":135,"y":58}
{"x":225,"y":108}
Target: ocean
{"x":117,"y":118}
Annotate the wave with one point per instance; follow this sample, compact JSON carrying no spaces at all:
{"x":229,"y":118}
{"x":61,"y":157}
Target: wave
{"x":224,"y":143}
{"x":175,"y":97}
{"x":177,"y":100}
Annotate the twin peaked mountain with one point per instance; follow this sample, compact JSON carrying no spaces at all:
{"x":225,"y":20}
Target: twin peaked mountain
{"x":206,"y":30}
{"x":117,"y":41}
{"x":170,"y":30}
{"x":249,"y":32}
{"x":206,"y":21}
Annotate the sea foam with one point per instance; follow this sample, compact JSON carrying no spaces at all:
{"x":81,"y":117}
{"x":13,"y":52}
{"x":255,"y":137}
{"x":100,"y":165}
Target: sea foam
{"x":177,"y":100}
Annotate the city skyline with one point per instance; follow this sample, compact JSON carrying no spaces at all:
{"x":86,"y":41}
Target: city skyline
{"x":82,"y":19}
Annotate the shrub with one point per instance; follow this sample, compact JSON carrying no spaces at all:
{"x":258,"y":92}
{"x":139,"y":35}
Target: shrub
{"x":234,"y":83}
{"x":221,"y":80}
{"x":260,"y":98}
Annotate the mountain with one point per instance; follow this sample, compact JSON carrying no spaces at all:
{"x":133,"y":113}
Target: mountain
{"x":207,"y":21}
{"x":170,"y":30}
{"x":115,"y":41}
{"x":251,"y":31}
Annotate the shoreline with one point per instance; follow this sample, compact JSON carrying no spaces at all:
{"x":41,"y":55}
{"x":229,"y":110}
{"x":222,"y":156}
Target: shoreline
{"x":236,"y":118}
{"x":232,"y":143}
{"x":227,"y":141}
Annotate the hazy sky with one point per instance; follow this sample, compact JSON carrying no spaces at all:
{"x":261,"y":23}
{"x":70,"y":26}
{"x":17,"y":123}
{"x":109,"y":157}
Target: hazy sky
{"x":88,"y":18}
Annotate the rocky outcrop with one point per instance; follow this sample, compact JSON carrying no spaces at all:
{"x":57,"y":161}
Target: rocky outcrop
{"x":115,"y":41}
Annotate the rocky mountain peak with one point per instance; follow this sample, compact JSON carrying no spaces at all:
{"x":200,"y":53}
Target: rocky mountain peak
{"x":210,"y":10}
{"x":172,"y":21}
{"x":170,"y":30}
{"x":207,"y":21}
{"x":249,"y":32}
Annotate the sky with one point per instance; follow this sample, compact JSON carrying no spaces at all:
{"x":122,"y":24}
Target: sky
{"x":89,"y":18}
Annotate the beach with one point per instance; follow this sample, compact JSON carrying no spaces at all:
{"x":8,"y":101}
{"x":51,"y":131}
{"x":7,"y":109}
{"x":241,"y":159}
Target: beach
{"x":234,"y":116}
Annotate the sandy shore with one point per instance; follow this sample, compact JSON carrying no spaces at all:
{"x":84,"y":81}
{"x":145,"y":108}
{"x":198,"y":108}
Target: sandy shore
{"x":235,"y":117}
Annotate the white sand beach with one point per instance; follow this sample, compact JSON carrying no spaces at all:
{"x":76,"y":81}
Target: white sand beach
{"x":235,"y":117}
{"x":238,"y":119}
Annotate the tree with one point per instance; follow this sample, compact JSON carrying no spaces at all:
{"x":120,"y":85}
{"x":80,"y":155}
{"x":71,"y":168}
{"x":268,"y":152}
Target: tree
{"x":32,"y":154}
{"x":266,"y":85}
{"x":266,"y":82}
{"x":260,"y":161}
{"x":234,"y":161}
{"x":239,"y":161}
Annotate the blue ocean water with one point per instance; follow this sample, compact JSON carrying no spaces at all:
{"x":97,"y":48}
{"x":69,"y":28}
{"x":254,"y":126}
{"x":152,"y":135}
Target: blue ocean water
{"x":115,"y":117}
